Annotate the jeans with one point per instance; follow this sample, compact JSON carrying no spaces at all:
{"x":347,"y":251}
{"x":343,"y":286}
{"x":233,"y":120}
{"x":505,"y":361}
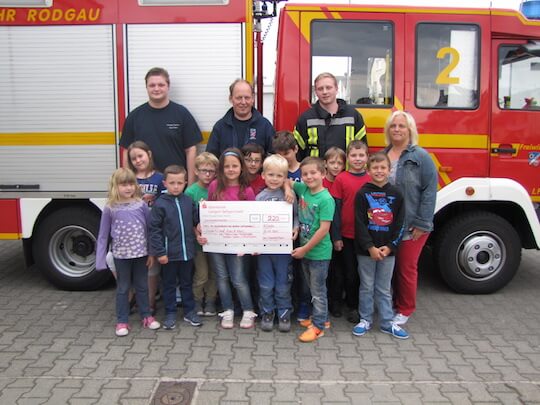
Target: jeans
{"x":316,"y":272}
{"x":375,"y":287}
{"x":183,"y":273}
{"x":300,"y":289}
{"x":274,"y":275}
{"x":231,"y":267}
{"x":131,"y":272}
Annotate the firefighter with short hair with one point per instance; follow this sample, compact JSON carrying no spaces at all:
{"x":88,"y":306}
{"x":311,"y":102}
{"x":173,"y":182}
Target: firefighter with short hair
{"x":329,"y":122}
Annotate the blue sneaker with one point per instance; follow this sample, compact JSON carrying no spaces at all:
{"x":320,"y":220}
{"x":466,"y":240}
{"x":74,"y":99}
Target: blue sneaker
{"x":361,"y":328}
{"x":396,"y":331}
{"x":169,"y":322}
{"x":193,"y":319}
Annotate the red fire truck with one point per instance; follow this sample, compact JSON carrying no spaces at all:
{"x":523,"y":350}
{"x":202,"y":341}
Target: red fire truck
{"x":471,"y":79}
{"x":69,"y":73}
{"x":71,"y":70}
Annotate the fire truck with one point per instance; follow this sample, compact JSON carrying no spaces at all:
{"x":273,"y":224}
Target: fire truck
{"x":471,"y":79}
{"x":72,"y":70}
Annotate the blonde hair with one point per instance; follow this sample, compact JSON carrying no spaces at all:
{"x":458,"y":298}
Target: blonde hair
{"x":206,"y":158}
{"x":122,"y":176}
{"x":325,"y":75}
{"x":411,"y":126}
{"x":276,"y":162}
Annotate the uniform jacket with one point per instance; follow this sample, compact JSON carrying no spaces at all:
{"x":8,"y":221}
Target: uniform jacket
{"x":317,"y":130}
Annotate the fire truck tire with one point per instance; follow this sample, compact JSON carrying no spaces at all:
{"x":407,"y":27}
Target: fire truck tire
{"x":64,"y":249}
{"x":478,"y":253}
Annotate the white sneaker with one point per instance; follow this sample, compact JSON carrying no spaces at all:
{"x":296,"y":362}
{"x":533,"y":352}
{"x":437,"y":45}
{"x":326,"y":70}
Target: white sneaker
{"x":248,"y":320}
{"x":122,"y":329}
{"x":227,"y":319}
{"x":400,"y":319}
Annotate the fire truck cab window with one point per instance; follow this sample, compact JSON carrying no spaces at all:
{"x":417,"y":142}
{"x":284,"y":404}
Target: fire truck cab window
{"x":519,"y":77}
{"x":359,"y":54}
{"x":447,"y":66}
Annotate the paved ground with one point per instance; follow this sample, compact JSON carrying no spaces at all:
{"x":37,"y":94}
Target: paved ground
{"x":59,"y":347}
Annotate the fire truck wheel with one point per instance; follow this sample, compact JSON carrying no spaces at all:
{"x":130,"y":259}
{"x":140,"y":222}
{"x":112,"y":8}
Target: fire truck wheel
{"x":64,"y":249}
{"x":478,"y":253}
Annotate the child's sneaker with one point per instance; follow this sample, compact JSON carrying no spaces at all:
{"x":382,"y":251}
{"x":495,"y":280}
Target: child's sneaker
{"x":248,"y":320}
{"x":193,"y":319}
{"x":396,"y":331}
{"x":267,"y":321}
{"x":310,"y":334}
{"x":227,"y":319}
{"x":284,"y":321}
{"x":400,"y":319}
{"x":122,"y":329}
{"x":150,"y":323}
{"x":170,"y":321}
{"x":210,"y":309}
{"x":361,"y":328}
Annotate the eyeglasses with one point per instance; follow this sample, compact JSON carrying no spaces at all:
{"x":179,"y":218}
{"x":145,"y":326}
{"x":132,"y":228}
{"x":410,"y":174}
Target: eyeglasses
{"x":251,"y":161}
{"x":207,"y":172}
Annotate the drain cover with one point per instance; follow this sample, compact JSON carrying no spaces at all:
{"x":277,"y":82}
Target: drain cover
{"x":174,"y":393}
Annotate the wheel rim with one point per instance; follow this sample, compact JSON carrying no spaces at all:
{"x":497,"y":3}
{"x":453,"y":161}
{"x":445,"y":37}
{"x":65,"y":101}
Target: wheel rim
{"x":72,"y":251}
{"x":481,"y":255}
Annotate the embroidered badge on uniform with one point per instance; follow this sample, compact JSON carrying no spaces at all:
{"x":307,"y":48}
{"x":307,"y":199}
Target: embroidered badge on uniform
{"x":252,"y":134}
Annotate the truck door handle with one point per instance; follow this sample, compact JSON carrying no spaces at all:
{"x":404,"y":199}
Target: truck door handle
{"x":503,"y":150}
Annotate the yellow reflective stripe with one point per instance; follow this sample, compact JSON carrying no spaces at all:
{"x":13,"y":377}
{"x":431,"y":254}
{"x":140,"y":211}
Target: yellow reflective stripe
{"x":361,"y":133}
{"x":349,"y":135}
{"x":57,"y":138}
{"x":299,"y":139}
{"x":312,"y":136}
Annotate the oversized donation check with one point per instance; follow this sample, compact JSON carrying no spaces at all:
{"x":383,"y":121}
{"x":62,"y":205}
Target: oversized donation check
{"x":246,"y":226}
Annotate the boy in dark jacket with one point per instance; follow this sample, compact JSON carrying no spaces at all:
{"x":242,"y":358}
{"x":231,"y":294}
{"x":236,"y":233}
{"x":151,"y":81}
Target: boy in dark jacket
{"x":379,"y":213}
{"x":173,"y":220}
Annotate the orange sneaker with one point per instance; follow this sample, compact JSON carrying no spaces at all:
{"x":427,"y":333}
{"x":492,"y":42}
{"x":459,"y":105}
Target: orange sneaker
{"x":306,"y":323}
{"x":311,"y":334}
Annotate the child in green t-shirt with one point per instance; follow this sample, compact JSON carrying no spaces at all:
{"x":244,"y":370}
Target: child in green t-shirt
{"x":315,"y":213}
{"x":204,"y":280}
